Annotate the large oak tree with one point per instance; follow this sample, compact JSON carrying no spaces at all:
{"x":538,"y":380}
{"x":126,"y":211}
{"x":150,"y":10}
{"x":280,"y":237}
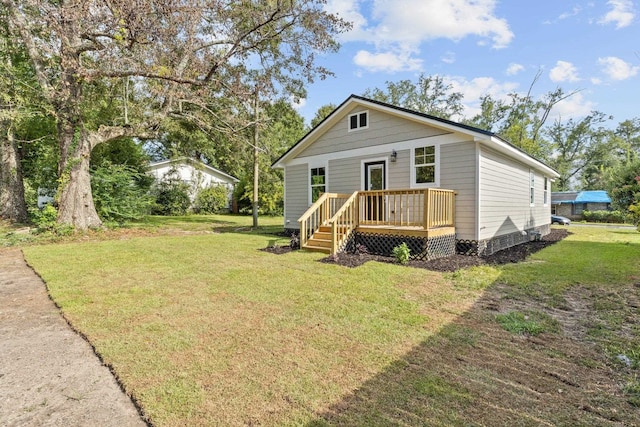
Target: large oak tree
{"x":174,"y":53}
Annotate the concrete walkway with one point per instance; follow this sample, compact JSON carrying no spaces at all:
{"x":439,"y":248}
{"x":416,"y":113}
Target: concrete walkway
{"x":49,"y":375}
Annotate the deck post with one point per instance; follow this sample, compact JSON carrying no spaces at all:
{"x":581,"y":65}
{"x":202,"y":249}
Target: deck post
{"x":425,"y":212}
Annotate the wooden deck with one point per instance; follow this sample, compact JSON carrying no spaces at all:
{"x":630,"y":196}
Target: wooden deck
{"x":330,"y":221}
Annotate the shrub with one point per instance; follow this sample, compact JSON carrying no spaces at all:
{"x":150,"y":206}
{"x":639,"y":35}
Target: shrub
{"x":120,"y":193}
{"x":172,"y":198}
{"x":45,"y":220}
{"x":210,"y":200}
{"x":618,"y":217}
{"x":635,"y":214}
{"x":401,"y":253}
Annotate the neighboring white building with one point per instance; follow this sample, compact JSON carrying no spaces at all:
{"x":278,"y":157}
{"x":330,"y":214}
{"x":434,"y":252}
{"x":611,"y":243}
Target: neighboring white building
{"x":193,"y":173}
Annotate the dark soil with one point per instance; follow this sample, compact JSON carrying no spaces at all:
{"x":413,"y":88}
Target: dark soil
{"x":451,"y":263}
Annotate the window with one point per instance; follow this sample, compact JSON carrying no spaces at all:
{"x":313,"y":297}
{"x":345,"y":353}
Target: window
{"x":532,"y":184}
{"x":425,"y":164}
{"x":546,"y":191}
{"x":358,"y":121}
{"x":317,"y":183}
{"x":578,"y":208}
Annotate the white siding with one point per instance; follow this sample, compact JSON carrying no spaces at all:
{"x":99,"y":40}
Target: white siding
{"x":197,"y":177}
{"x":344,"y":175}
{"x":504,"y":196}
{"x":399,"y":173}
{"x":383,"y":128}
{"x":458,"y":172}
{"x":296,"y":194}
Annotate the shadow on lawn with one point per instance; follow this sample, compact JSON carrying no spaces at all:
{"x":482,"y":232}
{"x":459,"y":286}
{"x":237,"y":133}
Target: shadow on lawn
{"x":472,"y":372}
{"x":270,"y":231}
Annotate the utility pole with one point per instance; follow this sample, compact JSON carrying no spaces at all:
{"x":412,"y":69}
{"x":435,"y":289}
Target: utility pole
{"x":256,"y":165}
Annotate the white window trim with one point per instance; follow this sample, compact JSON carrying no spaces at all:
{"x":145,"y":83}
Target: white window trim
{"x":545,"y":191}
{"x":532,"y":188}
{"x":315,"y":165}
{"x":373,"y":160}
{"x":412,"y":166}
{"x":359,"y":127}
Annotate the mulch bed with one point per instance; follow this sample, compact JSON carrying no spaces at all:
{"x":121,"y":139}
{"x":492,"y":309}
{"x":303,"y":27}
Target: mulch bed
{"x":451,"y":263}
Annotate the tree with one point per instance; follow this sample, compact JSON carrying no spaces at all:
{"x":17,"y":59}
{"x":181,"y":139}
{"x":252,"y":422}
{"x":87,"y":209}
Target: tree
{"x":322,"y":113}
{"x":177,"y":53}
{"x":520,"y":119}
{"x":628,"y":133}
{"x":430,"y":95}
{"x":624,"y":185}
{"x":14,"y":84}
{"x":576,"y":145}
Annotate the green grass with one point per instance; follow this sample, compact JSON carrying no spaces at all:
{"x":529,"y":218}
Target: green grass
{"x":204,"y":328}
{"x":527,"y":323}
{"x":208,"y":327}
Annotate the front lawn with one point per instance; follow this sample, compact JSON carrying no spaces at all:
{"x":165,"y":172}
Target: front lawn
{"x":207,"y":329}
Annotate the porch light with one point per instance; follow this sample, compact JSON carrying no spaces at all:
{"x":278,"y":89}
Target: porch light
{"x":394,"y":155}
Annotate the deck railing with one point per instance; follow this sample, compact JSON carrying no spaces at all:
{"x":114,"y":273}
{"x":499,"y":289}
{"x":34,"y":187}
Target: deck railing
{"x":319,"y":214}
{"x":344,"y":222}
{"x":427,"y":208}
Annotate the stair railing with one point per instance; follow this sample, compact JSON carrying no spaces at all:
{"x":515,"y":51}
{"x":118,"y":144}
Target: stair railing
{"x":344,"y":222}
{"x":319,"y":214}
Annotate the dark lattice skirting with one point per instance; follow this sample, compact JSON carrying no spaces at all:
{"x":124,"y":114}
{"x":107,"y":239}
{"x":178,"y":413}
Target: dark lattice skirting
{"x":421,"y":248}
{"x":491,"y":246}
{"x":467,"y":247}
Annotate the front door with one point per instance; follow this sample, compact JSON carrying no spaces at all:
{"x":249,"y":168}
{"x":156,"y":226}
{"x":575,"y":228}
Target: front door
{"x":374,"y":179}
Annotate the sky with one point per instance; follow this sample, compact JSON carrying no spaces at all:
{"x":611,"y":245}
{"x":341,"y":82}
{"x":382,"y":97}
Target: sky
{"x":490,"y":47}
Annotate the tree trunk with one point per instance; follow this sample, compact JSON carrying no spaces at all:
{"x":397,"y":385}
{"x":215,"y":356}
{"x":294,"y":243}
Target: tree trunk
{"x":12,"y":204}
{"x":75,"y":201}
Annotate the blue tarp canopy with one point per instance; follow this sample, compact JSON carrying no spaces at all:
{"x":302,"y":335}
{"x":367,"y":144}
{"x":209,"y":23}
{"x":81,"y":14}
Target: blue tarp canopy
{"x":574,"y":197}
{"x":596,"y":196}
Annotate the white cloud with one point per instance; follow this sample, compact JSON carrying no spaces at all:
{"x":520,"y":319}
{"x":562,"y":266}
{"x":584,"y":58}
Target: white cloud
{"x":414,"y":21}
{"x":564,"y":72}
{"x":621,"y":13}
{"x":572,"y":107}
{"x":449,"y":58}
{"x":386,"y":61}
{"x":565,"y":15}
{"x":514,"y":69}
{"x":297,"y":103}
{"x":617,"y":69}
{"x":403,"y":25}
{"x":349,"y":11}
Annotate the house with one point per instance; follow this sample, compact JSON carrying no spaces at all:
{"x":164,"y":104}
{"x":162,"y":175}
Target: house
{"x":570,"y":204}
{"x":194,"y":173}
{"x":373,"y":175}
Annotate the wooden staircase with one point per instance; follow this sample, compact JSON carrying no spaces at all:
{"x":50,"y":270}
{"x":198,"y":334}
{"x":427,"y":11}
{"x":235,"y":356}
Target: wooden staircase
{"x":320,"y":241}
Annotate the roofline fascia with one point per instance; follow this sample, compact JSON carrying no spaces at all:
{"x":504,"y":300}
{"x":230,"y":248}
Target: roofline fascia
{"x":479,"y":135}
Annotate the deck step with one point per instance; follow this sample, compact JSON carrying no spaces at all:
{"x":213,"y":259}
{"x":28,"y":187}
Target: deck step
{"x":312,"y":248}
{"x":324,"y":243}
{"x":321,"y":235}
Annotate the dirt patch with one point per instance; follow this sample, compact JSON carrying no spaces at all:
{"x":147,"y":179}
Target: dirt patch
{"x":475,"y":373}
{"x":49,"y":375}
